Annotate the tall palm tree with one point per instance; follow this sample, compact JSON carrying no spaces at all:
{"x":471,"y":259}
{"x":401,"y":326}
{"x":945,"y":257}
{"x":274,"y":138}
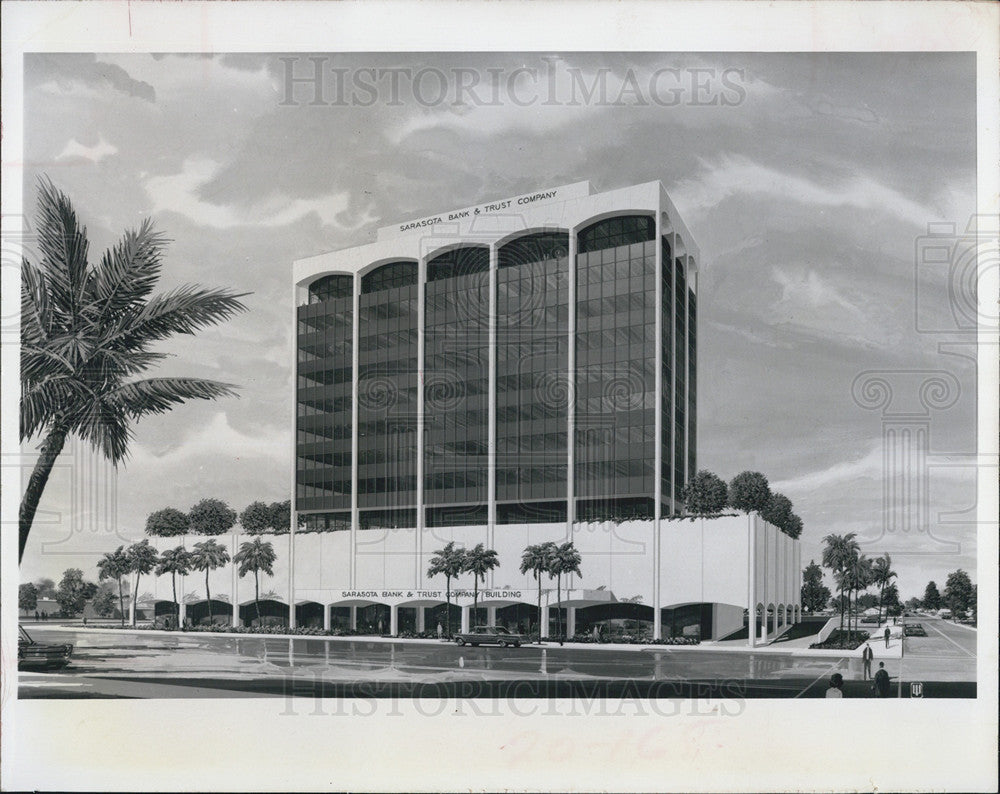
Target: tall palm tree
{"x":565,"y":560}
{"x":207,"y":556}
{"x":837,"y":554}
{"x":882,"y":576}
{"x":448,"y":562}
{"x":86,"y":332}
{"x":256,"y":556}
{"x":859,"y":577}
{"x":141,"y":558}
{"x":114,"y":565}
{"x":536,"y":558}
{"x":174,"y":561}
{"x":479,"y":561}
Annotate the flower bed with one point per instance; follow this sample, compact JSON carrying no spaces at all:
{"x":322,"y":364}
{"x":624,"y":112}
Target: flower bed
{"x":841,"y":640}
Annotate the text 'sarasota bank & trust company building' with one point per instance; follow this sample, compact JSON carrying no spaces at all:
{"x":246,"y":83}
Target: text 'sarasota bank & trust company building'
{"x":511,"y":373}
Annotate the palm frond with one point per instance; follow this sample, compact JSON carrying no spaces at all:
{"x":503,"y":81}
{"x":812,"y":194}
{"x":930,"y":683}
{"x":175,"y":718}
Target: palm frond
{"x":50,"y":400}
{"x":63,"y":245}
{"x":106,"y":427}
{"x":157,"y":395}
{"x":181,"y":311}
{"x":127,"y":273}
{"x":35,"y":318}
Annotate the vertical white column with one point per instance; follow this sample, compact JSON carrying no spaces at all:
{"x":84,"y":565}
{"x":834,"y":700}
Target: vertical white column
{"x":751,"y":584}
{"x":658,"y":427}
{"x":491,"y":421}
{"x":570,"y":391}
{"x":571,"y":621}
{"x":354,"y":618}
{"x":355,"y":364}
{"x":671,"y":426}
{"x":421,"y":619}
{"x":132,"y":599}
{"x":466,"y":610}
{"x":235,"y":605}
{"x":394,"y":620}
{"x":418,"y":574}
{"x":491,"y":616}
{"x":293,"y":514}
{"x":326,"y":617}
{"x":183,"y":611}
{"x":544,"y":622}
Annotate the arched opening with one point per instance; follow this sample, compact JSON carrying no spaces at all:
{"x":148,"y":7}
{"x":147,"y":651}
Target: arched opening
{"x":519,"y":618}
{"x":309,"y":615}
{"x":271,"y":613}
{"x":465,"y":260}
{"x":331,"y":287}
{"x":616,"y":231}
{"x":389,"y":276}
{"x":165,"y":614}
{"x":613,"y":621}
{"x":222,"y":613}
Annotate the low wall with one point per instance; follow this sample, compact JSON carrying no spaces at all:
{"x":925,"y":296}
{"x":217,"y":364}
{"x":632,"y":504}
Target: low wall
{"x":827,"y":629}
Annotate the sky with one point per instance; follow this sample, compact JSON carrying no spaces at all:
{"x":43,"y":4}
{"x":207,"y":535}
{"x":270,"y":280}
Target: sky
{"x":808,"y":181}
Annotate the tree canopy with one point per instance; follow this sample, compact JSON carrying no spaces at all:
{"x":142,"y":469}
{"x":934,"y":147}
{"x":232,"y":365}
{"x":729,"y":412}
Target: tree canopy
{"x":167,"y":523}
{"x":749,"y":491}
{"x":958,"y":593}
{"x":211,"y":517}
{"x":932,"y":598}
{"x":815,"y":594}
{"x":705,"y":494}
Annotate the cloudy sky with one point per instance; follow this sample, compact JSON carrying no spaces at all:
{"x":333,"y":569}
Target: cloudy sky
{"x":808,"y":181}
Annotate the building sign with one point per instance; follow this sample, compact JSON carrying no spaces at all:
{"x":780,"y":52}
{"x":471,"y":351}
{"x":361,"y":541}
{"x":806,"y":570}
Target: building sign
{"x":503,"y":206}
{"x":916,"y":689}
{"x":433,"y":595}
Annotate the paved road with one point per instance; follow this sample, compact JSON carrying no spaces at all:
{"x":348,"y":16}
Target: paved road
{"x":111,"y":664}
{"x":947,"y":653}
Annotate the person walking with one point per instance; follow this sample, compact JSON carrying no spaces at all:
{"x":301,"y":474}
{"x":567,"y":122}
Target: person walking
{"x":887,"y":633}
{"x":836,"y":686}
{"x":881,"y":684}
{"x":867,"y":655}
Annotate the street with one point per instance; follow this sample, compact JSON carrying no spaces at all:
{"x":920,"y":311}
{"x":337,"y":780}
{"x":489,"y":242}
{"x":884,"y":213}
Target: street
{"x":112,"y":664}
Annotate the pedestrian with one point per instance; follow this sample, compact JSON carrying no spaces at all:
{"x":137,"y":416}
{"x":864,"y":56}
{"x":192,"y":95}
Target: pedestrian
{"x":867,"y":655}
{"x":380,"y":630}
{"x":440,"y":630}
{"x":881,"y":684}
{"x":887,"y":633}
{"x":36,"y":616}
{"x":84,"y":620}
{"x":836,"y":686}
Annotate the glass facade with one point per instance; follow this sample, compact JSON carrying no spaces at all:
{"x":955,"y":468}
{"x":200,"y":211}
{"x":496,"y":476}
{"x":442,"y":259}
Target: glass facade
{"x":387,"y":387}
{"x":456,"y":383}
{"x":532,"y":384}
{"x":323,"y":388}
{"x":614,"y":379}
{"x":615,"y":368}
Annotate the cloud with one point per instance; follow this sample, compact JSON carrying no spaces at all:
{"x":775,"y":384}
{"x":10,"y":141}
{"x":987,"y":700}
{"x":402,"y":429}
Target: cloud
{"x":212,"y":443}
{"x":733,"y":175}
{"x":67,"y":72}
{"x":181,"y":193}
{"x":75,"y":150}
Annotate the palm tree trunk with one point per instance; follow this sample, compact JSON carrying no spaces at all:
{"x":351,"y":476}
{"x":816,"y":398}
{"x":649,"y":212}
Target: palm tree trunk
{"x":538,"y":580}
{"x":447,"y":615}
{"x":475,"y":596}
{"x":208,"y":595}
{"x":177,"y":606}
{"x":135,"y":600}
{"x":256,"y":596}
{"x":559,"y":607}
{"x":51,"y":447}
{"x":121,"y":602}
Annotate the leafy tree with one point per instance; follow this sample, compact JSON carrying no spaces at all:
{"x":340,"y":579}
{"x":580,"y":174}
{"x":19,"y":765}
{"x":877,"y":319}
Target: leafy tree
{"x":838,"y":552}
{"x":565,"y":560}
{"x":74,"y":592}
{"x":141,"y":560}
{"x":958,"y":593}
{"x":207,"y":556}
{"x":882,"y":576}
{"x":793,"y":527}
{"x":891,"y":600}
{"x":867,"y":601}
{"x":114,"y":565}
{"x":750,"y":492}
{"x":256,"y":518}
{"x":537,"y":558}
{"x":448,"y":562}
{"x":815,"y":594}
{"x":913,"y":603}
{"x":932,"y":598}
{"x":479,"y":561}
{"x":255,"y":556}
{"x":281,"y":516}
{"x":211,"y":517}
{"x":27,"y":597}
{"x":705,"y":494}
{"x":103,"y":601}
{"x":778,"y":511}
{"x":46,"y":588}
{"x":176,"y":562}
{"x":87,"y":330}
{"x":167,"y":523}
{"x":975,"y":602}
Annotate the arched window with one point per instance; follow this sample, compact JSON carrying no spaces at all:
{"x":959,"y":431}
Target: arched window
{"x":329,"y":287}
{"x":612,"y":232}
{"x":459,"y":262}
{"x":534,"y":248}
{"x":392,"y":274}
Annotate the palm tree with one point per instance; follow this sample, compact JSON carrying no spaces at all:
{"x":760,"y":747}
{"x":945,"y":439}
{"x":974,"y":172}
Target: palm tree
{"x":536,"y":558}
{"x":837,"y":553}
{"x":882,"y":576}
{"x":256,"y":555}
{"x":114,"y":565}
{"x":479,"y":561}
{"x":207,"y":556}
{"x":449,"y":562}
{"x":174,"y":561}
{"x":141,"y":559}
{"x":86,"y":331}
{"x":565,"y":560}
{"x":859,"y":577}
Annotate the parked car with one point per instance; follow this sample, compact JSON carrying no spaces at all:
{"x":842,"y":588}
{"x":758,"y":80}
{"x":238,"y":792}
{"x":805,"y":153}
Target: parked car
{"x":490,"y":635}
{"x":914,"y":630}
{"x":33,"y":655}
{"x":870,"y":619}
